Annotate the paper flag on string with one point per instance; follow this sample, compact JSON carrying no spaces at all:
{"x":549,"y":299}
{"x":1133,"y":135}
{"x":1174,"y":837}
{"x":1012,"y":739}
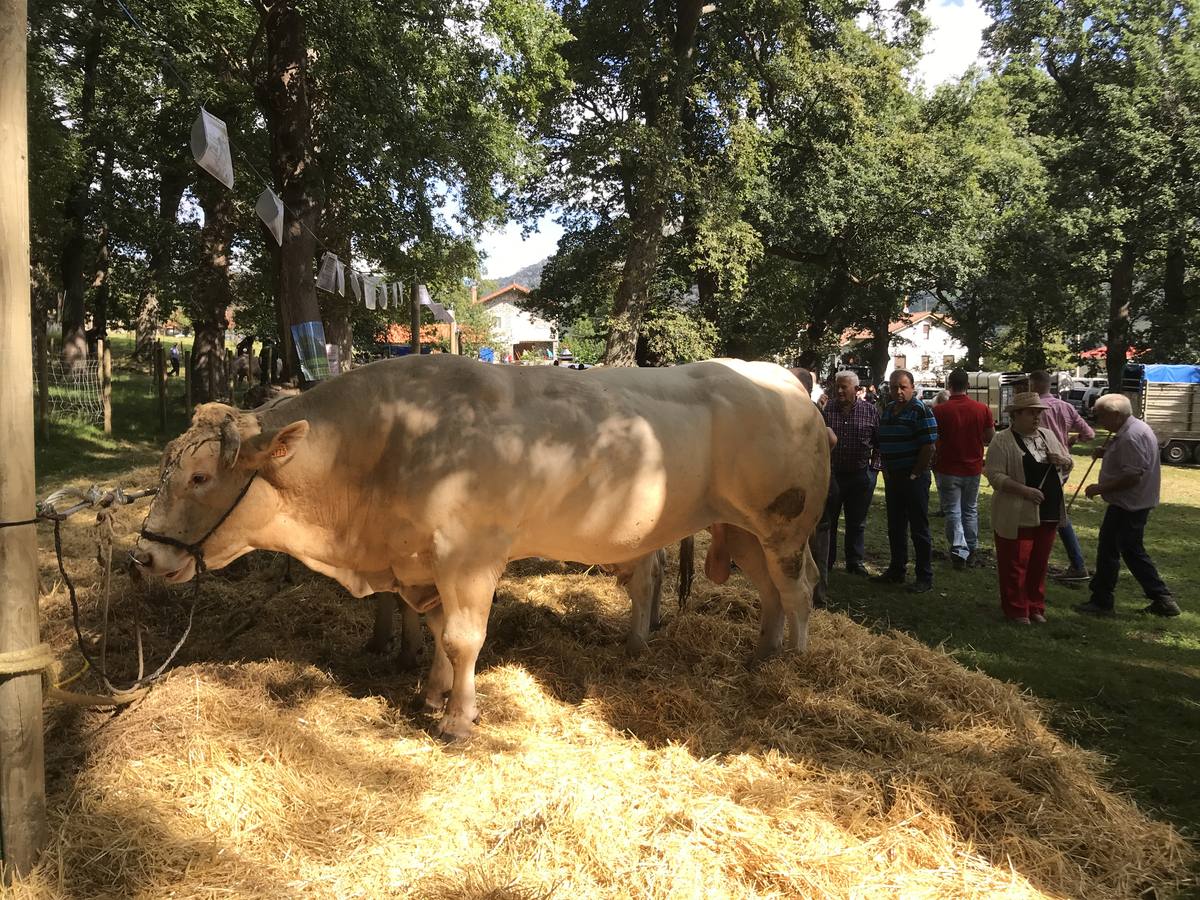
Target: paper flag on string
{"x":310,"y":348}
{"x":210,"y":147}
{"x":423,"y":295}
{"x":270,"y":209}
{"x":356,"y":285}
{"x":341,"y":278}
{"x":327,"y":277}
{"x":370,"y":282}
{"x":384,"y":291}
{"x":398,"y":292}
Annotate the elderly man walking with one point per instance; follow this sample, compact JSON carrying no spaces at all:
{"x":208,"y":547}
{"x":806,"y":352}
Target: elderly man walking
{"x":964,"y":428}
{"x":1129,"y":483}
{"x":855,"y":423}
{"x":907,"y":434}
{"x":1068,"y":426}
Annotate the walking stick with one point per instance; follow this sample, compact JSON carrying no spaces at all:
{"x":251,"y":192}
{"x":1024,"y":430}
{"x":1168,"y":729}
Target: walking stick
{"x":1079,"y":486}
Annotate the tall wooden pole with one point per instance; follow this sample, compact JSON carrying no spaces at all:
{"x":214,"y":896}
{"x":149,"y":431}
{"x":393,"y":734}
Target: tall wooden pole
{"x":106,"y":384}
{"x":414,"y":303}
{"x":22,"y":765}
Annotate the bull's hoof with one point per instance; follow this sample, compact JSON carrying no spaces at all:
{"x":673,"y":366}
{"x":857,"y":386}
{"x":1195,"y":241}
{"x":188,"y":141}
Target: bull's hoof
{"x":407,"y":661}
{"x":635,"y":646}
{"x":453,"y":728}
{"x":377,"y":645}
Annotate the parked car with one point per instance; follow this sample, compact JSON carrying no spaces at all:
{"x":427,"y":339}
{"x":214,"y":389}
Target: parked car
{"x":1083,"y":393}
{"x":928,"y":394}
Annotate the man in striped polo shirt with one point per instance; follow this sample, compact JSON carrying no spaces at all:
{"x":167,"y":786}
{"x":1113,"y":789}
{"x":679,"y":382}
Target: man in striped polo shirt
{"x":907,"y":435}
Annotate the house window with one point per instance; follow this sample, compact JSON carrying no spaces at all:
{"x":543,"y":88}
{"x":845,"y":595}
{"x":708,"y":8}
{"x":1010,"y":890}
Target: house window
{"x":924,"y":363}
{"x":926,"y":330}
{"x":948,"y":361}
{"x":900,"y":361}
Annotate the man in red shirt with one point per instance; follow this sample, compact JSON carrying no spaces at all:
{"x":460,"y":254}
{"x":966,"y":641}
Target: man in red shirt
{"x":965,"y":427}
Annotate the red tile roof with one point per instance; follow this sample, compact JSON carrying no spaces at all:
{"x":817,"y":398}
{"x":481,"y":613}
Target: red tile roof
{"x":897,"y":325}
{"x":519,"y":288}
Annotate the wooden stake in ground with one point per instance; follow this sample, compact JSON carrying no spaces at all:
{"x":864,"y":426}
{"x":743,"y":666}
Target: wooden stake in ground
{"x":22,"y":766}
{"x":187,"y":383}
{"x":43,"y":361}
{"x":160,"y":376}
{"x":414,"y":342}
{"x":106,"y":384}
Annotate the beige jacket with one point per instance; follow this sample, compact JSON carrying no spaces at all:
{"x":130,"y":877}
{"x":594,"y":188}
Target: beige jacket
{"x":1004,"y":461}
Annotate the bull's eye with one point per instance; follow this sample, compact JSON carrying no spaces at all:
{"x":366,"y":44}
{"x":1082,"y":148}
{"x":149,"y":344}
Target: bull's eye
{"x":198,"y":479}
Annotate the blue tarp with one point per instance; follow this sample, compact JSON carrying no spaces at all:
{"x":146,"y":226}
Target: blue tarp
{"x":1164,"y":374}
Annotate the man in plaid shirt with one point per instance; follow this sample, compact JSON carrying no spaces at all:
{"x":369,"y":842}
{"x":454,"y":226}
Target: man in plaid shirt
{"x":855,"y":467}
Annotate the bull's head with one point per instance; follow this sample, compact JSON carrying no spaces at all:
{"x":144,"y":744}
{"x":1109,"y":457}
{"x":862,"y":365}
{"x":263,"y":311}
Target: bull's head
{"x":204,"y":478}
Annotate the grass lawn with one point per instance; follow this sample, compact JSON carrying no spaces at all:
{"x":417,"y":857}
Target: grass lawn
{"x":1127,"y":687}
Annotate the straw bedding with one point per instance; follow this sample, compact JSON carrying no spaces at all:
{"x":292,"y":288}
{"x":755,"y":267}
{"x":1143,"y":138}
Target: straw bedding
{"x":279,"y":760}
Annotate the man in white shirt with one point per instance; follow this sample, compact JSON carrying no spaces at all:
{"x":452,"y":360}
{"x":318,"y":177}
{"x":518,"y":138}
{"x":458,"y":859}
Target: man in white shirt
{"x":1129,"y":483}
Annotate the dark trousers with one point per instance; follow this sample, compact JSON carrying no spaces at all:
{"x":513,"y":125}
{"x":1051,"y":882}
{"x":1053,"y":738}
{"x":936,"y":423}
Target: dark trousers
{"x":908,"y":511}
{"x":818,"y":545}
{"x":854,"y":491}
{"x":1121,"y":536}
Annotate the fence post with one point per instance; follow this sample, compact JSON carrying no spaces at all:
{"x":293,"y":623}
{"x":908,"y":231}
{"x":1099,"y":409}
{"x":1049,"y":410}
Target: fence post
{"x":22,"y":760}
{"x":160,"y":376}
{"x":187,"y":383}
{"x":415,"y":319}
{"x":43,"y":363}
{"x":106,"y":384}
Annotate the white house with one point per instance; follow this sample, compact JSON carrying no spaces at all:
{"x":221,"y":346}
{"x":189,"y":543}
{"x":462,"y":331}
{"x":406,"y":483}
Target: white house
{"x":921,"y":343}
{"x":515,"y":329}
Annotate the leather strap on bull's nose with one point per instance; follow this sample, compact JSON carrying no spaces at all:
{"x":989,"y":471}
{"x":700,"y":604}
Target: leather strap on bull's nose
{"x":196,"y":549}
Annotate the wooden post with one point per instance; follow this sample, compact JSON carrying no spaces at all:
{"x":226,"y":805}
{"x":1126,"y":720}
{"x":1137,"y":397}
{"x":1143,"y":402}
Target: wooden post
{"x":265,"y":363}
{"x":160,"y":376}
{"x":229,"y":374}
{"x":43,"y":363}
{"x":415,"y":318}
{"x":106,"y":384}
{"x":22,"y":763}
{"x":187,"y":383}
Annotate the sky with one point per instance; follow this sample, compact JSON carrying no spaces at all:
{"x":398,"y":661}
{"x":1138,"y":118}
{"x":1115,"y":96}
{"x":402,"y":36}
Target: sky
{"x":951,"y":48}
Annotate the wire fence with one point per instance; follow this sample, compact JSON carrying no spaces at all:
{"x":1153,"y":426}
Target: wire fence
{"x":75,"y":393}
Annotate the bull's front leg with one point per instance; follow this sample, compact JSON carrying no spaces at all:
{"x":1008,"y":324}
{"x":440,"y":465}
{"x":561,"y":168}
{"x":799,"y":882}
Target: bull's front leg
{"x":642,"y":580}
{"x":466,"y":602}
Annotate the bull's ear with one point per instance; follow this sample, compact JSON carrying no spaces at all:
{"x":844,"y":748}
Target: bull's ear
{"x":231,"y":443}
{"x":272,"y":445}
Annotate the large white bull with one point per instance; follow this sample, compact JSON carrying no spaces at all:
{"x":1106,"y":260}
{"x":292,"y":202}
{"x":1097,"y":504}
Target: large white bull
{"x":426,"y":475}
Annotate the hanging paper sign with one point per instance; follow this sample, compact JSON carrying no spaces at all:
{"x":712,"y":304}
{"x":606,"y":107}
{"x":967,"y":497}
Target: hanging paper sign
{"x":340,"y":277}
{"x":270,"y":209}
{"x":310,"y":348}
{"x":356,"y":285}
{"x":369,"y":285}
{"x":210,"y":147}
{"x":423,"y":295}
{"x":327,"y":277}
{"x":398,"y":293}
{"x":384,"y":290}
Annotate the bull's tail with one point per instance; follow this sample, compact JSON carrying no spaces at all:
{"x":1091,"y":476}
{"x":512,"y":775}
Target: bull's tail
{"x":687,"y":565}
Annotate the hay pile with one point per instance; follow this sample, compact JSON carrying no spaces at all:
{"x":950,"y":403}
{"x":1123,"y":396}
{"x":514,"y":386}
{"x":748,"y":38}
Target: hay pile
{"x":279,"y":761}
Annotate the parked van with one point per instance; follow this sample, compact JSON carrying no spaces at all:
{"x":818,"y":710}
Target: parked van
{"x":1167,"y":397}
{"x":995,"y":390}
{"x":1083,"y":393}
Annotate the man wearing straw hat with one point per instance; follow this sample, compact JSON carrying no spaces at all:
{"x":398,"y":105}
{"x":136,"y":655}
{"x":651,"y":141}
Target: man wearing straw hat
{"x":1129,"y":482}
{"x":1023,"y":465}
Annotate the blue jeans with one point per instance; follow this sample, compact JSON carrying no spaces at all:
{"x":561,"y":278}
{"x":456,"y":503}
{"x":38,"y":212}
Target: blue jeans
{"x":959,"y":496}
{"x":908,"y":512}
{"x":1071,"y":545}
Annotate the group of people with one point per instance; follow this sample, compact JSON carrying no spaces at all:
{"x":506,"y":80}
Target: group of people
{"x":955,"y":443}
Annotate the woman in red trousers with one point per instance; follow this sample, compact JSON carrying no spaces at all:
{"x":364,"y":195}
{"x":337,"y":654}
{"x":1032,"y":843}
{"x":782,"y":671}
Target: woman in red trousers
{"x":1023,"y":466}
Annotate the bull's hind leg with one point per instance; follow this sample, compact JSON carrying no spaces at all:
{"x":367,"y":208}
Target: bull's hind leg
{"x":795,"y":575}
{"x":747,"y":552}
{"x":441,"y":673}
{"x":642,"y":580}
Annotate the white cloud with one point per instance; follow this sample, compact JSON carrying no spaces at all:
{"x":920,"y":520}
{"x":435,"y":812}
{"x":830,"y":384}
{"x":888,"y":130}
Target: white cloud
{"x":955,"y":41}
{"x":507,"y":251}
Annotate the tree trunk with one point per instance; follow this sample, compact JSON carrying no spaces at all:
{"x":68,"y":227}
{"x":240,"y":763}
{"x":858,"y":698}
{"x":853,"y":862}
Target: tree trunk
{"x":1120,"y":300}
{"x":1033,"y":353}
{"x":77,"y":203}
{"x":100,"y":285}
{"x":283,"y":94}
{"x":1172,"y":330}
{"x":652,"y":183}
{"x":833,"y":298}
{"x":213,"y":294}
{"x":881,"y":340}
